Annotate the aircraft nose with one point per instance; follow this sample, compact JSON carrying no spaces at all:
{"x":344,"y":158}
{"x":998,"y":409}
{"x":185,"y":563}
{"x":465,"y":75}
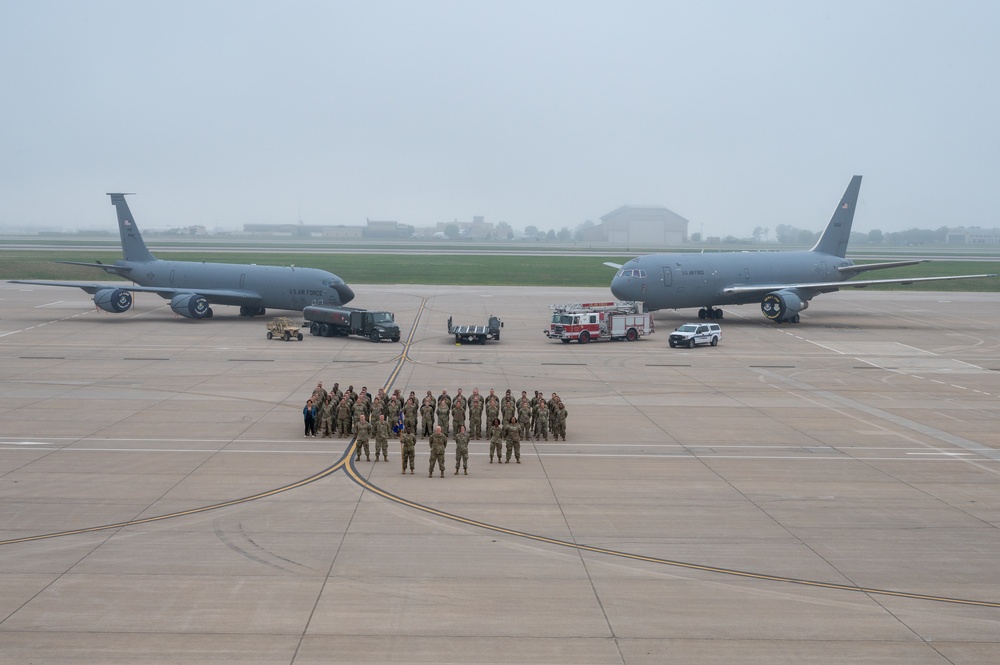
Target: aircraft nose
{"x":345,"y":293}
{"x":618,"y":288}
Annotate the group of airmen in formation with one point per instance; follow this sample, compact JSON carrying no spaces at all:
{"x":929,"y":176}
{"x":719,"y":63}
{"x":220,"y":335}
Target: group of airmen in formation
{"x":509,"y":420}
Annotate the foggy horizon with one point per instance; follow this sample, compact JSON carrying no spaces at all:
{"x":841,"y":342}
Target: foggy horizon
{"x":732,"y":115}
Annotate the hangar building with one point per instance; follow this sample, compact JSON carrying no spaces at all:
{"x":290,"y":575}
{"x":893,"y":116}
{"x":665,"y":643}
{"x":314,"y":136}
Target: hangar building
{"x":640,"y":225}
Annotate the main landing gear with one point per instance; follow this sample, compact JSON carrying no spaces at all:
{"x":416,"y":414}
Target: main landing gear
{"x":709,"y":313}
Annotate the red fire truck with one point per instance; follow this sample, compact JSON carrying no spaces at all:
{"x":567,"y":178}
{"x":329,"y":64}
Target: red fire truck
{"x":599,"y":320}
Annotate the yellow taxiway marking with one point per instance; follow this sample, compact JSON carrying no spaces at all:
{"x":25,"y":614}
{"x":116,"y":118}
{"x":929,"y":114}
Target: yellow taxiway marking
{"x":345,"y":463}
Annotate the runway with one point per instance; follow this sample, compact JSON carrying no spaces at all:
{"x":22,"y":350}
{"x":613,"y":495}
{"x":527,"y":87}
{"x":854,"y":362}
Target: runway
{"x":810,"y":493}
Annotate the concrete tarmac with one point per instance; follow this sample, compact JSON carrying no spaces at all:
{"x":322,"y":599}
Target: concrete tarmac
{"x":826,"y":492}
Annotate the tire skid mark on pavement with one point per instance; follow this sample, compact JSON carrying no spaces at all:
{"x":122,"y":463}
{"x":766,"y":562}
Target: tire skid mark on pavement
{"x":346,"y":464}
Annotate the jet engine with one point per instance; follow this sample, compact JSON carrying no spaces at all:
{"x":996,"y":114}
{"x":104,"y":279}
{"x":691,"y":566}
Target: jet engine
{"x":191,"y":305}
{"x":783,"y":305}
{"x":113,"y":300}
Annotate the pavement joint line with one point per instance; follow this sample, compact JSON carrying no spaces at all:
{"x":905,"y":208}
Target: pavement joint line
{"x":353,"y":473}
{"x":911,"y":425}
{"x":346,"y":464}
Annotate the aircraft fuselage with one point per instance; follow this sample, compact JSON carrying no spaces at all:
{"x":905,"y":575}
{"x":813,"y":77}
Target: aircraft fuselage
{"x":278,"y":287}
{"x":675,"y":281}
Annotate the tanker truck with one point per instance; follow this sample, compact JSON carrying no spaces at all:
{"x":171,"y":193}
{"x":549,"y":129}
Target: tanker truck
{"x":330,"y":321}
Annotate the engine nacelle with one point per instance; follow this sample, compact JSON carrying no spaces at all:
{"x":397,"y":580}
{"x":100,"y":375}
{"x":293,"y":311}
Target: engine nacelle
{"x":783,"y":305}
{"x":190,"y":305}
{"x":113,"y":300}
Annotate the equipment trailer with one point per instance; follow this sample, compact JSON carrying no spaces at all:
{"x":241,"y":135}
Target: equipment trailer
{"x":476,"y":333}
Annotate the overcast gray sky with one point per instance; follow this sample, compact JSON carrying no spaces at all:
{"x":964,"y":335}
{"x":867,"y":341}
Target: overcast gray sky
{"x":732,"y":114}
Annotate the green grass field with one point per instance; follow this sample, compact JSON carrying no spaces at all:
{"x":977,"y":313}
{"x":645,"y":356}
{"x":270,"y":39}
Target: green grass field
{"x":473,"y":269}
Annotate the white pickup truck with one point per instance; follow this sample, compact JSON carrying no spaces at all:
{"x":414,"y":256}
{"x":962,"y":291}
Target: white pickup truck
{"x":690,"y":334}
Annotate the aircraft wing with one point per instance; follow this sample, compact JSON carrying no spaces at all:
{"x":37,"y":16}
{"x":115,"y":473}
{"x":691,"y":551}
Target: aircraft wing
{"x":221,"y":296}
{"x":854,"y":270}
{"x":825,"y":287}
{"x":107,"y":267}
{"x":89,"y":287}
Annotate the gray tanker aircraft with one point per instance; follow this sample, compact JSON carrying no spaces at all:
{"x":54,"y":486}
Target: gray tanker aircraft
{"x":782,"y":282}
{"x":191,"y":286}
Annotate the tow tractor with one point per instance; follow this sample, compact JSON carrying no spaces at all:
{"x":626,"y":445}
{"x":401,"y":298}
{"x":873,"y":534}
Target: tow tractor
{"x":588,"y":321}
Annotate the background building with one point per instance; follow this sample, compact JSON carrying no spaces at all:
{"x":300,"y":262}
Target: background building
{"x":639,"y":225}
{"x":974,"y":236}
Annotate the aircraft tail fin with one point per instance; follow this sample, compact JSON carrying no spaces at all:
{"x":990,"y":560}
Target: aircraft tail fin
{"x":838,"y":231}
{"x":133,"y":247}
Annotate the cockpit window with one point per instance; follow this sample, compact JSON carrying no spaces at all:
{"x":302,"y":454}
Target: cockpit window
{"x":632,"y":272}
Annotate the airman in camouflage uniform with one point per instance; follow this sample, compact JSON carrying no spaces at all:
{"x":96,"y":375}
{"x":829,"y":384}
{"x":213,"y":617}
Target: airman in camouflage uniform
{"x":408,"y":442}
{"x":476,"y":416}
{"x":359,"y":409}
{"x":392,"y":409}
{"x":343,"y":418}
{"x":438,"y":444}
{"x":561,"y":415}
{"x":492,"y":413}
{"x":462,"y":450}
{"x":512,"y":432}
{"x":410,"y":414}
{"x":554,"y":416}
{"x":524,"y":418}
{"x":362,"y":430}
{"x":542,"y":420}
{"x":496,"y":439}
{"x":444,"y":396}
{"x":458,"y":413}
{"x":427,"y":417}
{"x":326,"y":416}
{"x":382,"y":438}
{"x":508,"y":408}
{"x":442,"y":415}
